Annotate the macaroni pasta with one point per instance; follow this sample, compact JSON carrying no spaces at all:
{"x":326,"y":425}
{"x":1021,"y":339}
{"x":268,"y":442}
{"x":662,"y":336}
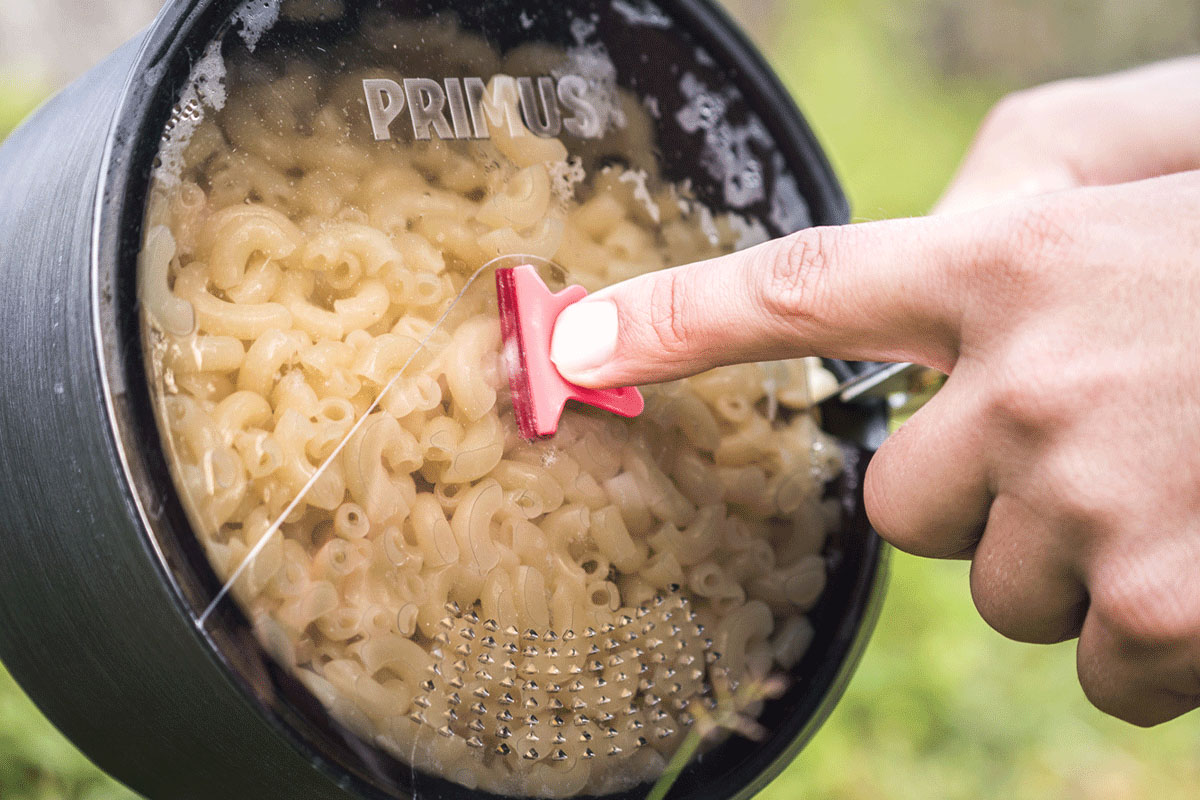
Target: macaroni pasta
{"x":326,"y":360}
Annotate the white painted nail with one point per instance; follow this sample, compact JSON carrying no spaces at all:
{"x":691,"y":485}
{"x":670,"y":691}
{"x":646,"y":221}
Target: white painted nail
{"x":585,"y":337}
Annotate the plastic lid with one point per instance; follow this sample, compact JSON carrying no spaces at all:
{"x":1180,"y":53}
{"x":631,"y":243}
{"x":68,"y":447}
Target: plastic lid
{"x":531,"y":618}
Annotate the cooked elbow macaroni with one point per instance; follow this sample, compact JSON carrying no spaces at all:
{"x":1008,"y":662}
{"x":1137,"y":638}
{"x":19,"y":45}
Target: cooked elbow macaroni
{"x":326,"y":362}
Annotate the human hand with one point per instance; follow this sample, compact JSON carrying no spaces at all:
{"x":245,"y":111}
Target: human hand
{"x":1083,"y":132}
{"x":1063,"y":454}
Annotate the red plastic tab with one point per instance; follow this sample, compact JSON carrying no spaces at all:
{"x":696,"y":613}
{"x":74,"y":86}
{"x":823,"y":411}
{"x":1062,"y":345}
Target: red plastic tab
{"x":528,"y":310}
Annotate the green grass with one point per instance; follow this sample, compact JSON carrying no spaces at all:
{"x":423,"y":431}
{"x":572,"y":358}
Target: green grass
{"x":17,"y":99}
{"x":894,"y":132}
{"x":941,"y":707}
{"x":37,"y":763}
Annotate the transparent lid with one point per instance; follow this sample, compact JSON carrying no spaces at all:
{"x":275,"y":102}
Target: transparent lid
{"x":571,"y":616}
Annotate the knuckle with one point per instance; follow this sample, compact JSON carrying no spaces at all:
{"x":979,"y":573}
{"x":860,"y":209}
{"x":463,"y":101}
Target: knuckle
{"x":1099,"y":690}
{"x":668,"y":312}
{"x":1006,"y":605}
{"x":1077,"y":493}
{"x":1044,"y":230}
{"x":1016,"y":120}
{"x":1026,"y":111}
{"x":881,"y":504}
{"x":1024,"y":395}
{"x":991,"y":602}
{"x":1007,"y":115}
{"x":895,"y":513}
{"x":1120,"y":684}
{"x":1095,"y":669}
{"x":794,"y":282}
{"x":1138,"y":615}
{"x":992,"y":595}
{"x":1092,"y":671}
{"x":1037,"y":382}
{"x":1023,"y":104}
{"x":1033,"y":240}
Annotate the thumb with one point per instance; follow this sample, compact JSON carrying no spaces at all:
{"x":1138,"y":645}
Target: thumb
{"x":883,"y":291}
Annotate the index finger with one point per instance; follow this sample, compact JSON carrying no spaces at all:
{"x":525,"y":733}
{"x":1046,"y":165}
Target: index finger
{"x":880,"y":291}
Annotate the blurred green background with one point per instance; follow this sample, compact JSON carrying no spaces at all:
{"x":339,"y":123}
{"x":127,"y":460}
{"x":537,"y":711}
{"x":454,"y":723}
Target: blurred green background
{"x":941,"y":706}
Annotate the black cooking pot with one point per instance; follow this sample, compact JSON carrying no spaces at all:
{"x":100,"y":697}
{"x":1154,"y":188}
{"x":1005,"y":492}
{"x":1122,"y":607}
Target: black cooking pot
{"x":103,"y":586}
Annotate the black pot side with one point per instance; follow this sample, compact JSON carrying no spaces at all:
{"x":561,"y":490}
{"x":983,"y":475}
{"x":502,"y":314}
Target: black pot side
{"x":95,"y":612}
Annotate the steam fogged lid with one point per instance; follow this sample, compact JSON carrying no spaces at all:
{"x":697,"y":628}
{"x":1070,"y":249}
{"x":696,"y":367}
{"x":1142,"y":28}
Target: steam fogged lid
{"x":605,"y":78}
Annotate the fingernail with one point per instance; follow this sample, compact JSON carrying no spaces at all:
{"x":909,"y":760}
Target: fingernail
{"x":585,"y":337}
